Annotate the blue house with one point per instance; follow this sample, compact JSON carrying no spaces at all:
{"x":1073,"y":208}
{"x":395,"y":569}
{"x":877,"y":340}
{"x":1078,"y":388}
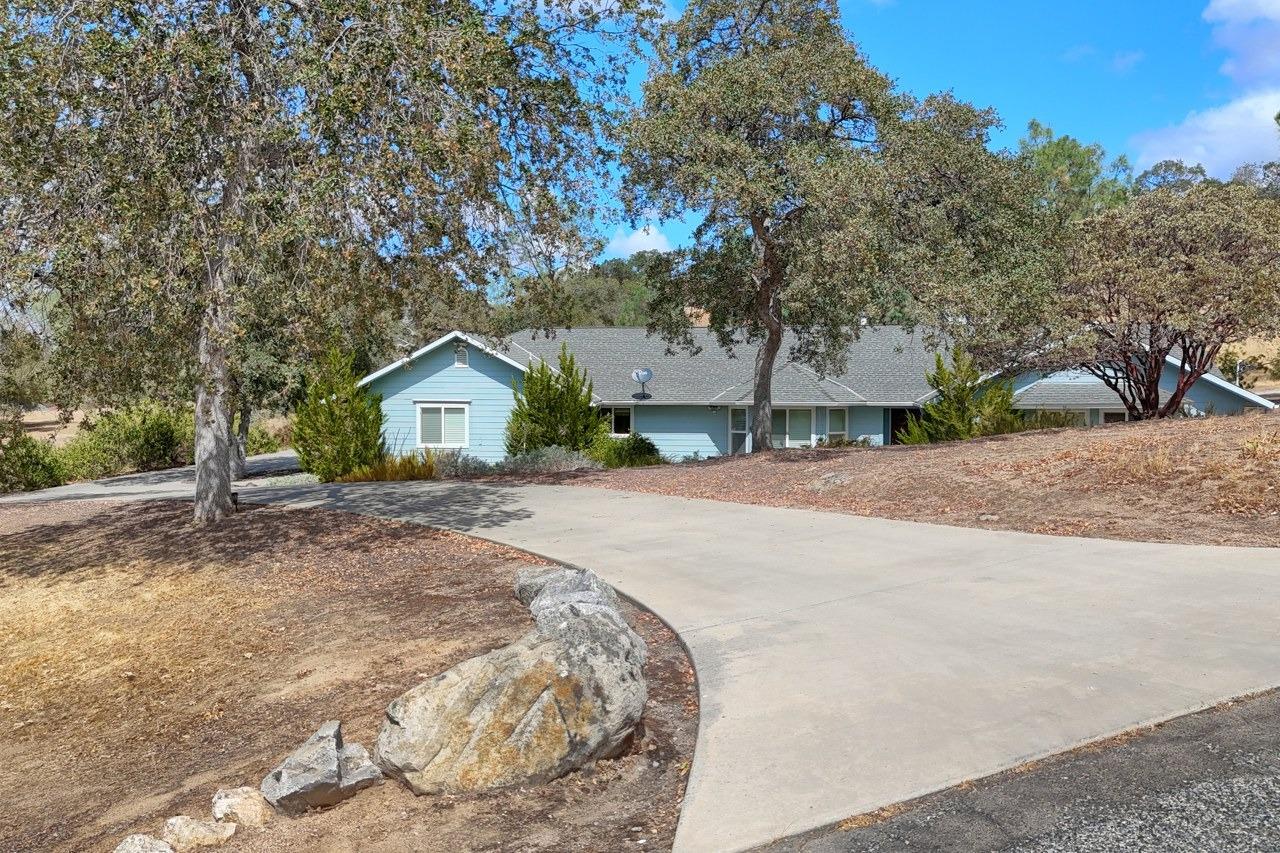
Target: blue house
{"x":456,"y":392}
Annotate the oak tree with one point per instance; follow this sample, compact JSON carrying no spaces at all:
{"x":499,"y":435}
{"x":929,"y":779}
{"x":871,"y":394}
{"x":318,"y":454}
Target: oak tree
{"x":825,"y":195}
{"x":166,"y":168}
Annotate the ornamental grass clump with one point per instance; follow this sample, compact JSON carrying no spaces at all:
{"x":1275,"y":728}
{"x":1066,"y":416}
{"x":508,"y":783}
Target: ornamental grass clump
{"x":415,"y":466}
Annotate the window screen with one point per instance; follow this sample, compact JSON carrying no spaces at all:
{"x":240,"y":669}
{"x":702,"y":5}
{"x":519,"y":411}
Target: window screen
{"x":442,"y":426}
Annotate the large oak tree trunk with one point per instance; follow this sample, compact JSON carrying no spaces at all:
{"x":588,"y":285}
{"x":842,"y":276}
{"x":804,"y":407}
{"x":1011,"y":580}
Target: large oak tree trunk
{"x":213,"y":393}
{"x":767,"y":281}
{"x":213,"y":416}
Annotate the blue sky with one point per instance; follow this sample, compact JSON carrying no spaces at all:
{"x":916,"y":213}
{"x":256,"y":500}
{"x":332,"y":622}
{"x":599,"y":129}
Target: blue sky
{"x":1196,"y":80}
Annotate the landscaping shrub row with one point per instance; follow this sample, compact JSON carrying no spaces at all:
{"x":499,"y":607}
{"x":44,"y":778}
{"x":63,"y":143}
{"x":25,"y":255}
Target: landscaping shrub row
{"x":147,"y":436}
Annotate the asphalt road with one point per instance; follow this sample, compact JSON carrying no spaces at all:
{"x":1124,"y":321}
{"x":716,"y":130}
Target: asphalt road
{"x":1200,"y":783}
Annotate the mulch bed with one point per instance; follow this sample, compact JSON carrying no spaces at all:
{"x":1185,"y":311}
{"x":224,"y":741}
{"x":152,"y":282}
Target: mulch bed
{"x":148,"y":663}
{"x":1201,"y":481}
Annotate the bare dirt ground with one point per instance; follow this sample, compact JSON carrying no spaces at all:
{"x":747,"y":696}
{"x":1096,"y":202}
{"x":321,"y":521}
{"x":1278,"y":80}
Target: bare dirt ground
{"x":46,"y":425}
{"x":147,"y":664}
{"x":1206,"y":481}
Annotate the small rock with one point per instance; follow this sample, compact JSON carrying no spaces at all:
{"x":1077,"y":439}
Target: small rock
{"x":140,"y":843}
{"x":186,"y":833}
{"x":832,"y":480}
{"x":358,"y":770}
{"x":988,"y":516}
{"x":243,"y":806}
{"x":321,"y":772}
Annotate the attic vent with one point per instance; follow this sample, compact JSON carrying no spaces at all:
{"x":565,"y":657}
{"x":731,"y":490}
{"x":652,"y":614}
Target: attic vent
{"x":459,"y":354}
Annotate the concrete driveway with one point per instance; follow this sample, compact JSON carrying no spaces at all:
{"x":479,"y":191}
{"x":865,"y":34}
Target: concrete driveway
{"x":848,"y":663}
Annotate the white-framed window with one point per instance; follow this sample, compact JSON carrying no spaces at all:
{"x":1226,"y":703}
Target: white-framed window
{"x":444,"y":424}
{"x":618,"y":418}
{"x":739,"y":435}
{"x":837,"y":424}
{"x":792,"y":428}
{"x":1115,"y":417}
{"x":460,"y":354}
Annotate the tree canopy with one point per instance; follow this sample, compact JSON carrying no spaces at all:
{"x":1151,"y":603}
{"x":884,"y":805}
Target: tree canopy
{"x":1077,"y":179}
{"x":615,"y":292}
{"x":825,"y":194}
{"x":1181,"y":271}
{"x":168,"y":170}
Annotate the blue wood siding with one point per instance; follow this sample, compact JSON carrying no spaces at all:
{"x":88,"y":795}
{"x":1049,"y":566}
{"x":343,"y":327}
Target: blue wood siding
{"x":681,"y":431}
{"x":484,"y":384}
{"x":1206,"y":397}
{"x":868,"y":422}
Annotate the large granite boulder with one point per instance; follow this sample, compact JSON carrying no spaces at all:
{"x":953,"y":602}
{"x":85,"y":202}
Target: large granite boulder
{"x":323,"y":771}
{"x":560,"y":697}
{"x":540,"y":583}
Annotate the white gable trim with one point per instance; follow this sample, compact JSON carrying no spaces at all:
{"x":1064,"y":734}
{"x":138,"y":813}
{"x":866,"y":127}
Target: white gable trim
{"x":438,"y":342}
{"x":1262,"y":402}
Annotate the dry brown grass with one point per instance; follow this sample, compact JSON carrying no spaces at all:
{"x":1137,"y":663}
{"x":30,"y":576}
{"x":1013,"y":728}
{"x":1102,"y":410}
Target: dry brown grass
{"x":1211,"y":480}
{"x":147,"y":664}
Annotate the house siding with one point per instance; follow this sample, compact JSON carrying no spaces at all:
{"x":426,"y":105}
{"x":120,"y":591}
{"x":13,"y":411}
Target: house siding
{"x":682,"y":431}
{"x":484,"y":384}
{"x":1205,"y":396}
{"x":869,"y":422}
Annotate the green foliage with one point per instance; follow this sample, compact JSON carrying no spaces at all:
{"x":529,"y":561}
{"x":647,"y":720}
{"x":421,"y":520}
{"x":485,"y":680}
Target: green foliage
{"x":828,"y":194}
{"x":1170,"y":175}
{"x":23,"y":368}
{"x":1044,"y":419}
{"x":338,"y":427}
{"x":26,"y":463}
{"x":629,"y":451}
{"x":1076,"y":178}
{"x":967,"y":405}
{"x":146,"y":436}
{"x":834,"y":443}
{"x":1237,"y":368}
{"x":615,"y":292}
{"x":546,"y":460}
{"x":553,"y":409}
{"x":420,"y":465}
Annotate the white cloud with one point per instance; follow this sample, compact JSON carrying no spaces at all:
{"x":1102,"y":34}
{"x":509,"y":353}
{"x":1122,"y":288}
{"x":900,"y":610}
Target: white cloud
{"x":1241,"y":10}
{"x":1221,"y":138}
{"x":645,"y":238}
{"x":1242,"y":130}
{"x":1124,"y":61}
{"x":1249,"y":31}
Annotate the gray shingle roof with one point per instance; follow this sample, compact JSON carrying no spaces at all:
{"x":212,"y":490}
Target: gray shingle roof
{"x":886,"y":364}
{"x":1071,"y":394}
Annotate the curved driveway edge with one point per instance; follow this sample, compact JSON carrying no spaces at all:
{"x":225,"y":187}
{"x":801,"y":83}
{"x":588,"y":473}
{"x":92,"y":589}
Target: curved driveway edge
{"x":847,"y":663}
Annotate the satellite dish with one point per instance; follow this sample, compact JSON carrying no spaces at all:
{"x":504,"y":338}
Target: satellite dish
{"x":642,"y":375}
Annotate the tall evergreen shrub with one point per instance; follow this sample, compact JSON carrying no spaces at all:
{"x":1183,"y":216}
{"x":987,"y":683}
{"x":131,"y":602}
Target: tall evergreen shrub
{"x":338,"y":427}
{"x":967,"y":405}
{"x":553,"y":409}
